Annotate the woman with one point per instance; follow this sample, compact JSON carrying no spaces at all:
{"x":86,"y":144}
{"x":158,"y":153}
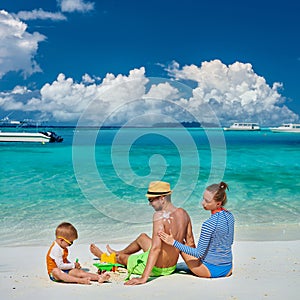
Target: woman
{"x":213,"y":256}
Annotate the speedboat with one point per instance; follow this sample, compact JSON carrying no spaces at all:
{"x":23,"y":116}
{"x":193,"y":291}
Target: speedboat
{"x":293,"y":128}
{"x":243,"y":127}
{"x":40,"y":137}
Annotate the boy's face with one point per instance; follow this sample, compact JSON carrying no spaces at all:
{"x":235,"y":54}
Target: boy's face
{"x":64,"y":243}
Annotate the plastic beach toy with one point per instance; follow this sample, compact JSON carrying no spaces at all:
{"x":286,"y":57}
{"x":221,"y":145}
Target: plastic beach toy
{"x":108,"y":262}
{"x":108,"y":258}
{"x":107,"y":266}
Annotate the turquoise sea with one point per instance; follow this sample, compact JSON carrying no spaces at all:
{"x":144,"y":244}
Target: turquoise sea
{"x":97,"y":179}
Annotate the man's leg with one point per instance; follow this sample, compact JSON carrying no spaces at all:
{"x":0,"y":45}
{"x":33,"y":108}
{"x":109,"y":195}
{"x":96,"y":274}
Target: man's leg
{"x":142,"y":242}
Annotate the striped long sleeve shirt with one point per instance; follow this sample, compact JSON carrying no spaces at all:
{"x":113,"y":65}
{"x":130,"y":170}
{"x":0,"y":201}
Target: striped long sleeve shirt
{"x":216,"y":239}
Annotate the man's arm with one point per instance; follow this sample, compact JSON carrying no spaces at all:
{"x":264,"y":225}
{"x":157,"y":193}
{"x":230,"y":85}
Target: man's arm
{"x":153,"y":254}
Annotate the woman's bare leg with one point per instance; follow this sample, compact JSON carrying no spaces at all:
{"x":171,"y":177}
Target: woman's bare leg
{"x":195,"y":265}
{"x":229,"y":273}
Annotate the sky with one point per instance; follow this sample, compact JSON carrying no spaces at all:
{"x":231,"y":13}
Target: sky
{"x":109,"y":61}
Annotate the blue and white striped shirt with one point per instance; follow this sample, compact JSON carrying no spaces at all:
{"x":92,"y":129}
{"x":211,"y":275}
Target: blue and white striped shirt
{"x":216,"y":239}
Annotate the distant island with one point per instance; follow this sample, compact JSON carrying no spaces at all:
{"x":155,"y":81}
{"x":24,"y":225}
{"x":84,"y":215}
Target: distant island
{"x":156,"y":125}
{"x":186,"y":124}
{"x":31,"y":124}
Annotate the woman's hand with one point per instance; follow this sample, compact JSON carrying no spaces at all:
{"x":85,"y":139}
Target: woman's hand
{"x":167,"y":238}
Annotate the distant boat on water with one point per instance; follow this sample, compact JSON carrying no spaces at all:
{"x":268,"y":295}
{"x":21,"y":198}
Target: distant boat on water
{"x":289,"y":128}
{"x":37,"y":137}
{"x":7,"y":122}
{"x":243,"y":127}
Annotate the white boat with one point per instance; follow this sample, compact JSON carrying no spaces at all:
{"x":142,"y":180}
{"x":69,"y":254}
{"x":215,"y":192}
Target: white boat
{"x":26,"y":123}
{"x":6,"y":122}
{"x":293,"y":128}
{"x":38,"y":137}
{"x":243,"y":127}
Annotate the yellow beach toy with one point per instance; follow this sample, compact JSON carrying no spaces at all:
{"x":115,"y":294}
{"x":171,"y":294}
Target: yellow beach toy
{"x":108,"y":258}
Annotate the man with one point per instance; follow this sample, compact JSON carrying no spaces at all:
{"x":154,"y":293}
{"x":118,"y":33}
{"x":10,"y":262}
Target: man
{"x":158,"y":258}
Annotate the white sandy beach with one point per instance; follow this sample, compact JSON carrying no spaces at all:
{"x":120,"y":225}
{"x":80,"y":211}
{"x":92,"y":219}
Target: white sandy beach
{"x":262,"y":270}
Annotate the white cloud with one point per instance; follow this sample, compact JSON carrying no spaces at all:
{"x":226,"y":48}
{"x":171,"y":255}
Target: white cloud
{"x":67,"y":100}
{"x":40,"y":14}
{"x":234,"y":93}
{"x":12,"y":100}
{"x":162,"y":91}
{"x":86,"y":78}
{"x":75,"y":5}
{"x":17,"y":46}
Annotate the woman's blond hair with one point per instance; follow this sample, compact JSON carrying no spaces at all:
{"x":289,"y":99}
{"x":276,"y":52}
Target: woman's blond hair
{"x":219,"y":191}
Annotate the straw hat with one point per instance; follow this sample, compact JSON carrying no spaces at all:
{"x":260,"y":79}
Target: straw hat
{"x":158,"y":188}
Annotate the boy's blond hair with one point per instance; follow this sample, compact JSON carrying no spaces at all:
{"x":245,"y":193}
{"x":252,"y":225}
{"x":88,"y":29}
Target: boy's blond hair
{"x":66,"y":230}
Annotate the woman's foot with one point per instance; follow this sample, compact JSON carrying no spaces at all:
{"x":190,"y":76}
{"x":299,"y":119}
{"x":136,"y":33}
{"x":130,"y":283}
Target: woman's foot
{"x":95,"y":250}
{"x":103,"y":277}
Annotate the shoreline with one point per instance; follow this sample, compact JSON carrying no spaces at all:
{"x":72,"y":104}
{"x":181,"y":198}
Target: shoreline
{"x":262,"y":270}
{"x":253,"y":233}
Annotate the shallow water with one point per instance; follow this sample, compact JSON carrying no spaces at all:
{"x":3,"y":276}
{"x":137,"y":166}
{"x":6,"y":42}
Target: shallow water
{"x":98,"y":181}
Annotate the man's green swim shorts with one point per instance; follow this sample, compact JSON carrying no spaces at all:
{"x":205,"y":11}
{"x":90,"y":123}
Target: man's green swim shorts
{"x":137,"y":262}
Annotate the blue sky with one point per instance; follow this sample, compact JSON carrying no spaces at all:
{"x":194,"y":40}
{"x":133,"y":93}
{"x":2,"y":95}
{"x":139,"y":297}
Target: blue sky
{"x":59,"y":57}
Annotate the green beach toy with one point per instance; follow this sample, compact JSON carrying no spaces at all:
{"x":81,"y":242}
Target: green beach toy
{"x":107,"y":266}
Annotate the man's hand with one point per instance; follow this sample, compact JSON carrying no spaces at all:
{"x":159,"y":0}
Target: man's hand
{"x":167,"y":238}
{"x":135,"y":281}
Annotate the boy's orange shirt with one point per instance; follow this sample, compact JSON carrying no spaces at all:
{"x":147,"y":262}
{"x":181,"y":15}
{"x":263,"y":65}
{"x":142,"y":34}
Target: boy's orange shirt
{"x":50,"y":261}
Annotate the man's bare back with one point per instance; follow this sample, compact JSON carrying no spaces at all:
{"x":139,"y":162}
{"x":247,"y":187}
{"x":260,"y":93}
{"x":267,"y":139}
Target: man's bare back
{"x":178,"y":222}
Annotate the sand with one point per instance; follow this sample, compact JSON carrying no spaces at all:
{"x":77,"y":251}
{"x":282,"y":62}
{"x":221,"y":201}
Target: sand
{"x":262,"y":270}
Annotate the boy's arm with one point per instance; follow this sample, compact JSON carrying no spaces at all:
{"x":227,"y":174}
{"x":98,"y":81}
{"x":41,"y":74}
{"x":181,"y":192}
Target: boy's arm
{"x":63,"y":266}
{"x":57,"y":255}
{"x":153,"y":255}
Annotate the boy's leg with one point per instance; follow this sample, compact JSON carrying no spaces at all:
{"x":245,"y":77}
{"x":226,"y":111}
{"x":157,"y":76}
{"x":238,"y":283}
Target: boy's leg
{"x":92,"y":276}
{"x":60,"y":275}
